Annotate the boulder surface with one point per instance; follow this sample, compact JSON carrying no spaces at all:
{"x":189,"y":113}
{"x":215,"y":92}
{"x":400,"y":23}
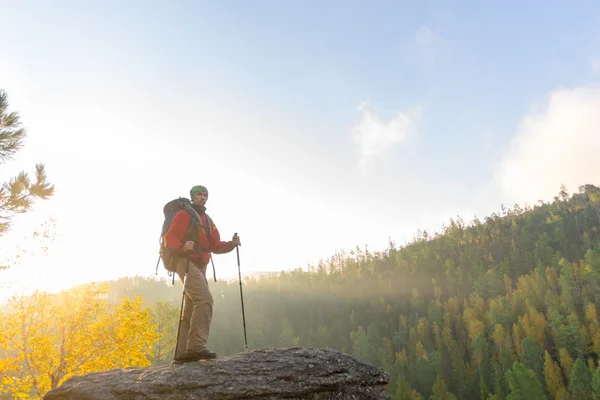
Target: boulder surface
{"x":292,"y":373}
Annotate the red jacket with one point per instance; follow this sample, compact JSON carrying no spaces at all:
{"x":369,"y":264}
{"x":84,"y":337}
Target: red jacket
{"x":178,"y":229}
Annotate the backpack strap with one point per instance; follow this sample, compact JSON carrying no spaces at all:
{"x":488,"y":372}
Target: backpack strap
{"x":210,"y":225}
{"x":193,"y":226}
{"x":207,"y":229}
{"x":194,"y":222}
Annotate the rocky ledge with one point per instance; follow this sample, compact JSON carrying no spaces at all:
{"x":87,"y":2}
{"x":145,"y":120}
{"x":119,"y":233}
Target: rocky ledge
{"x":293,"y":373}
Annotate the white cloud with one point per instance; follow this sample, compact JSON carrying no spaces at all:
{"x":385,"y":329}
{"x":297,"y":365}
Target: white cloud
{"x":553,"y":145}
{"x":374,"y":136}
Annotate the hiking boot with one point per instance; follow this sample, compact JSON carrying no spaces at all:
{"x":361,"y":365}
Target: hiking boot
{"x":205,"y":355}
{"x":195,"y":356}
{"x":185,"y":358}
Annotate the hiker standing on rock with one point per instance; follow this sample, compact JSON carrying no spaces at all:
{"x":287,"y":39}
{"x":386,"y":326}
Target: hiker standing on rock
{"x":194,"y":251}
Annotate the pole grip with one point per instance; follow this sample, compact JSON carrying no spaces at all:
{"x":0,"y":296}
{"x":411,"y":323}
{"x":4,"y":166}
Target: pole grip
{"x":237,"y":250}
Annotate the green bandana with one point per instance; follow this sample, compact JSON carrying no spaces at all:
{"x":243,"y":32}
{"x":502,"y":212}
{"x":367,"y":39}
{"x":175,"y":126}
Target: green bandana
{"x":197,"y":189}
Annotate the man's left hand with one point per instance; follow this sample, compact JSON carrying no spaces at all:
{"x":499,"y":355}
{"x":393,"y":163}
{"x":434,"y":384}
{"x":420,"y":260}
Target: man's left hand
{"x":236,"y":240}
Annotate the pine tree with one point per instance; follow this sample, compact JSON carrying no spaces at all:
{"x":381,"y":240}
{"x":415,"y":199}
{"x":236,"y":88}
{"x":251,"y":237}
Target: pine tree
{"x":403,"y":389}
{"x":531,"y":357}
{"x":18,"y":194}
{"x":596,"y":384}
{"x":523,"y":384}
{"x":440,"y":390}
{"x":580,"y":381}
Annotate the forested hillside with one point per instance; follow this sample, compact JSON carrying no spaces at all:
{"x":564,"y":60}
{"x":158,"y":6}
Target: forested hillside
{"x":497,"y":308}
{"x":504,"y":308}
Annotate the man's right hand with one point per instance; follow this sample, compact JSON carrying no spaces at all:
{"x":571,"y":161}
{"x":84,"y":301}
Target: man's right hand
{"x":188,"y":246}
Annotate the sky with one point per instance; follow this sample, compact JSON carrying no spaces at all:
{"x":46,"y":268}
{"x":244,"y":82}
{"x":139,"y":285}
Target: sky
{"x":318,"y":127}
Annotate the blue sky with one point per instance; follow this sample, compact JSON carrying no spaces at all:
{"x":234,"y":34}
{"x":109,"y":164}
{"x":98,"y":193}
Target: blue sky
{"x":317,"y":126}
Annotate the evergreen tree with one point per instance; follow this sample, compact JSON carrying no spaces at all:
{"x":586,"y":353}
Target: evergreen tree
{"x":18,"y":193}
{"x":596,"y":384}
{"x":523,"y":384}
{"x":580,"y":382}
{"x":440,"y":390}
{"x":531,"y":357}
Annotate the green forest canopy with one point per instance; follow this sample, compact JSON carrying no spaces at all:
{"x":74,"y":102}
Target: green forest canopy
{"x":504,"y":308}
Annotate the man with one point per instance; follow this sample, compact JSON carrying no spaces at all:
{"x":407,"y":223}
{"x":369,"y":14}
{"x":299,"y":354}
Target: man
{"x":197,"y":310}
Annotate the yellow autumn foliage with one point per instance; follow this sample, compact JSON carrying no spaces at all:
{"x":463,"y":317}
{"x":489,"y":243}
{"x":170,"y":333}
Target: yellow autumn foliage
{"x":47,"y":338}
{"x":499,"y":336}
{"x":554,"y":382}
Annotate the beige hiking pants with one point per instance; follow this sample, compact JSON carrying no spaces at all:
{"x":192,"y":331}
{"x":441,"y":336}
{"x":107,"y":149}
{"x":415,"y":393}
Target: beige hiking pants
{"x":197,"y":308}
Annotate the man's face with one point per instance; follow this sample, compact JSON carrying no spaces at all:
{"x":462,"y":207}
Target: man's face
{"x":200,"y":198}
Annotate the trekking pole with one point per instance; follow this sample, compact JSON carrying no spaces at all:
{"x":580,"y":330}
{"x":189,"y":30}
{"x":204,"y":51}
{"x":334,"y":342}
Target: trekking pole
{"x":187,"y":265}
{"x":237,"y":249}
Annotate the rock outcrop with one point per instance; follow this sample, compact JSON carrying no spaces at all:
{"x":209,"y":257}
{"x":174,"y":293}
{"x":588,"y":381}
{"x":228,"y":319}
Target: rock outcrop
{"x":293,"y":373}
